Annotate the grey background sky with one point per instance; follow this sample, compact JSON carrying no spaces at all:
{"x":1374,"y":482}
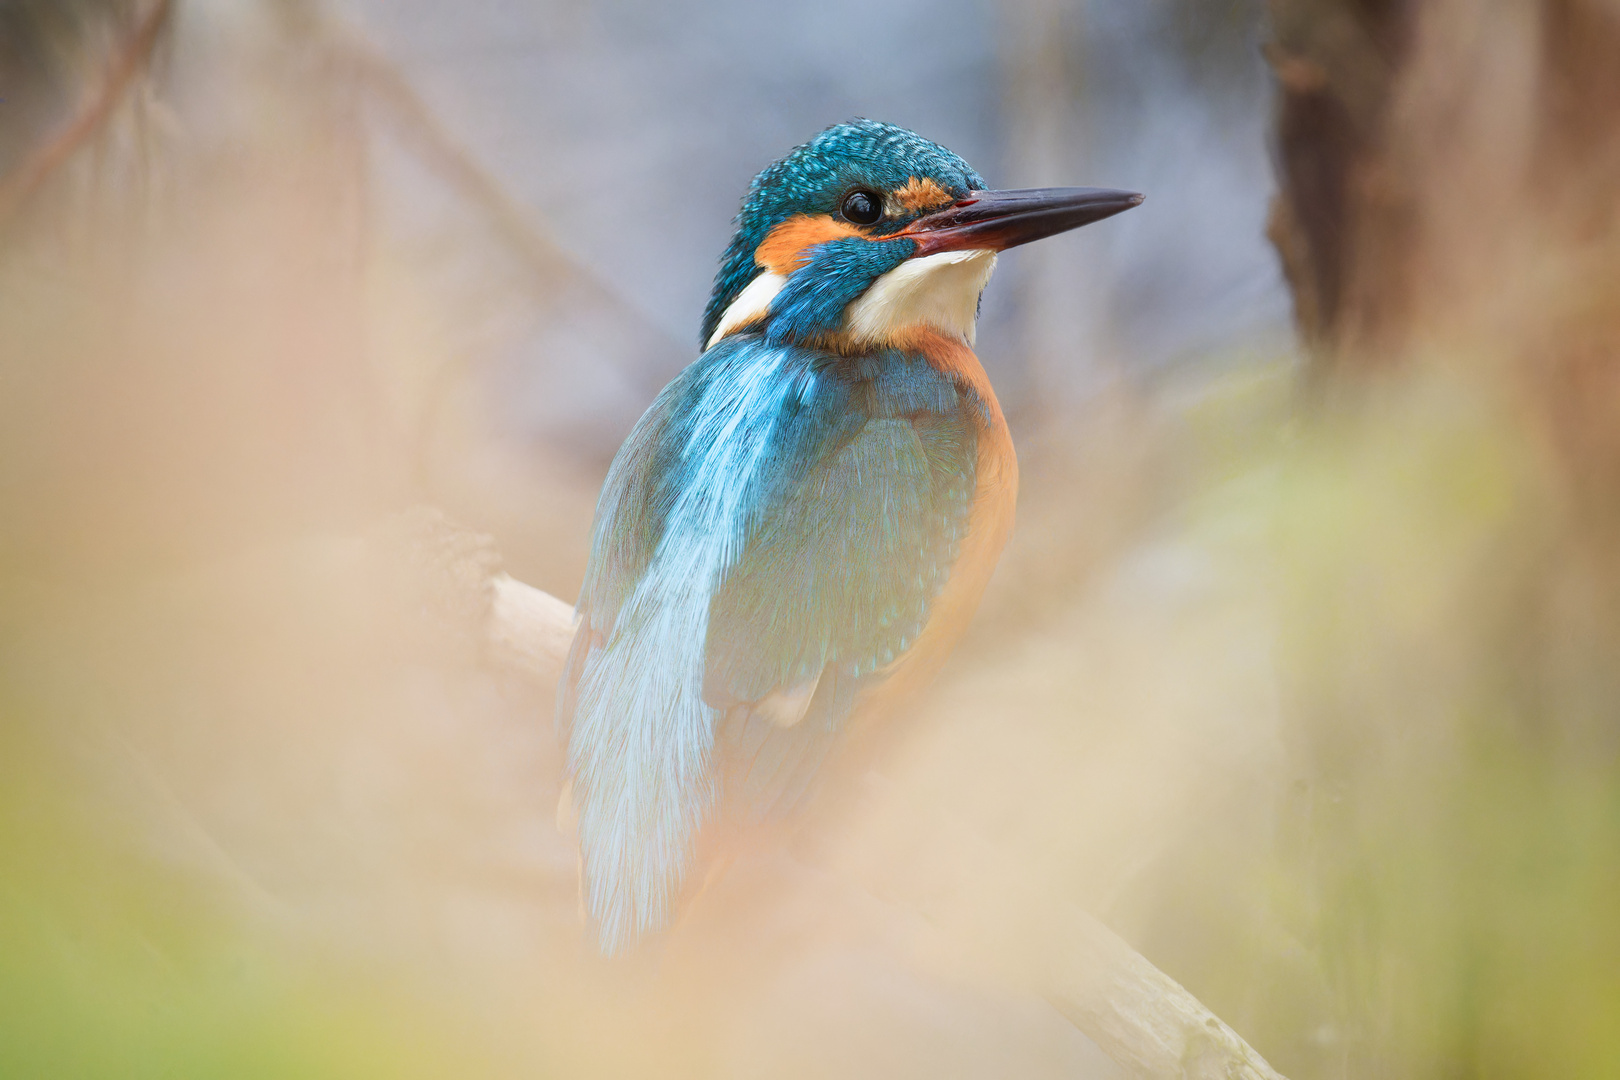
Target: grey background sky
{"x":631,"y":129}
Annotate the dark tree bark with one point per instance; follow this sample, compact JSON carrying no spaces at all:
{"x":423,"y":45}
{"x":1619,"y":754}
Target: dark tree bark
{"x":1446,"y":173}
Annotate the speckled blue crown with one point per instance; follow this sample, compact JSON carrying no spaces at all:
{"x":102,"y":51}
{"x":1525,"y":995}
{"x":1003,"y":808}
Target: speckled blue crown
{"x":812,"y":179}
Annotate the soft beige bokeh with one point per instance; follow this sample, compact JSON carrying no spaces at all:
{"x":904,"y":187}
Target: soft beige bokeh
{"x":269,"y":810}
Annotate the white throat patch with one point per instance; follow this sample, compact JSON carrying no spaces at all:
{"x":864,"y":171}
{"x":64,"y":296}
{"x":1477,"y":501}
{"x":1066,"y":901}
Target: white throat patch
{"x":938,"y":291}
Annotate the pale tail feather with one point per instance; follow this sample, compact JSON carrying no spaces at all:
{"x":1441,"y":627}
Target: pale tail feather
{"x":640,"y":760}
{"x":640,"y":746}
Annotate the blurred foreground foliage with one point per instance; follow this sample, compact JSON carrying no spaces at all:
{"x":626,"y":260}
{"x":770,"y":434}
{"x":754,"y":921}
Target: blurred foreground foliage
{"x":1436,"y":893}
{"x":1393,"y":658}
{"x":119,"y":965}
{"x":1451,"y":847}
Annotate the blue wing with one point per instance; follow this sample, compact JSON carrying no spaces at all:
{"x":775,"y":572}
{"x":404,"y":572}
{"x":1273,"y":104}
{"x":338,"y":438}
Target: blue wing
{"x":847,"y":548}
{"x":780,"y":518}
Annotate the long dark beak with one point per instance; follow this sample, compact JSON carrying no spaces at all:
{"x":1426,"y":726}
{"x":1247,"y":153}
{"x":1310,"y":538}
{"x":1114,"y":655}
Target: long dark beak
{"x":999,"y":220}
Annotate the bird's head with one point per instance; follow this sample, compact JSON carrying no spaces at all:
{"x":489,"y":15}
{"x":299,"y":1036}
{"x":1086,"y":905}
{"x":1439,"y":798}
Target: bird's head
{"x":869,"y":232}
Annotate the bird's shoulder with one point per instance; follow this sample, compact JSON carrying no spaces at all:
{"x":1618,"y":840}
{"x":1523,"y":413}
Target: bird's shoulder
{"x":835,"y":490}
{"x":764,"y":417}
{"x":850,"y":536}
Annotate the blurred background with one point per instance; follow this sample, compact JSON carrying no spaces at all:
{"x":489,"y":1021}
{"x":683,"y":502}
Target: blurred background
{"x":1300,"y":672}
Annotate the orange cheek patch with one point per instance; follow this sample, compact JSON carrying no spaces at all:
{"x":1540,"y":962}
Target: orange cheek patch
{"x":787,"y":247}
{"x":921,"y":193}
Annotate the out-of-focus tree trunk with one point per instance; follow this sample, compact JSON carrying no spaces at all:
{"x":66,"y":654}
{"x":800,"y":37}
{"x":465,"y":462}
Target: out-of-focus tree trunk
{"x":1336,"y":209}
{"x":1448,"y":179}
{"x":1448,"y":222}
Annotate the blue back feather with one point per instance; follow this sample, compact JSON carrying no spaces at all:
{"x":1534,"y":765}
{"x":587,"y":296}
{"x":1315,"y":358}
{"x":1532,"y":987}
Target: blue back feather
{"x":779,"y":514}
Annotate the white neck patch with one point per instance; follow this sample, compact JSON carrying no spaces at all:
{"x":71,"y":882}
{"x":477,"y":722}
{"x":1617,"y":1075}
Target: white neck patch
{"x":939,"y":291}
{"x":753,"y":302}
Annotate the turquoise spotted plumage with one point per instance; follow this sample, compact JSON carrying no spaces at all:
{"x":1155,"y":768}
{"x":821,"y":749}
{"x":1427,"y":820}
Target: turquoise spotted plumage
{"x":811,"y":179}
{"x":796,"y":517}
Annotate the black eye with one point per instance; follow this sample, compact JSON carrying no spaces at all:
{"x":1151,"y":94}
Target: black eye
{"x":862,"y":207}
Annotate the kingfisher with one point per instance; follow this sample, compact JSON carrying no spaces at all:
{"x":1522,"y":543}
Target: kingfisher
{"x":799,"y":528}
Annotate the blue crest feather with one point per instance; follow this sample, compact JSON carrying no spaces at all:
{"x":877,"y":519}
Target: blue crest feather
{"x":813,"y":178}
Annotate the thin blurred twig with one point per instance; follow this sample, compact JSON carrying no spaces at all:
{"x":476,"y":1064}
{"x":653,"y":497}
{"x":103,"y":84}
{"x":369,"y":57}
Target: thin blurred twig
{"x":559,"y":281}
{"x":443,"y":152}
{"x":454,"y":162}
{"x":129,"y":59}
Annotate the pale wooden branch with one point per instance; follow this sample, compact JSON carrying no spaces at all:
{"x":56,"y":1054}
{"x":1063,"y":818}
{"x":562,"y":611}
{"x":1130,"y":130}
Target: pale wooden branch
{"x":530,"y":630}
{"x":1142,"y":1018}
